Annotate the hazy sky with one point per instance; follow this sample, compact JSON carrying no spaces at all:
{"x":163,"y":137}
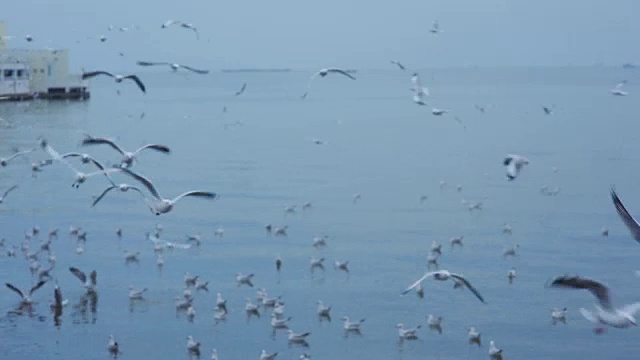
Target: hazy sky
{"x":346,"y":33}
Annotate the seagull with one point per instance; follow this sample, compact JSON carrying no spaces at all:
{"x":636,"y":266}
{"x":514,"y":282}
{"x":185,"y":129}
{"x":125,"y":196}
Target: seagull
{"x":324,"y":311}
{"x":547,"y":110}
{"x":244,"y":279}
{"x":191,"y":27}
{"x":514,"y":164}
{"x":604,"y":231}
{"x":214,"y":354}
{"x":617,"y":90}
{"x":443,"y":275}
{"x":324,"y":72}
{"x":558,"y":315}
{"x":305,"y":356}
{"x":2,"y":198}
{"x":190,"y":280}
{"x":135,"y":294}
{"x":173,"y":66}
{"x":118,"y":78}
{"x":251,"y":309}
{"x":192,"y":345}
{"x":80,"y":177}
{"x":316,"y":263}
{"x":127,"y":156}
{"x":419,"y":92}
{"x":511,"y":275}
{"x":435,"y":28}
{"x":507,"y":229}
{"x":432,"y":260}
{"x":279,"y":323}
{"x":112,"y":346}
{"x":319,"y":242}
{"x":347,"y":325}
{"x":29,"y":38}
{"x":438,"y":112}
{"x":264,"y":355}
{"x":436,"y":247}
{"x":629,"y":221}
{"x":341,"y":265}
{"x":456,"y":241}
{"x":242,"y":89}
{"x":435,"y":323}
{"x":494,"y":352}
{"x":169,"y":23}
{"x":474,"y":336}
{"x":397,"y":63}
{"x":407,"y":334}
{"x":298,"y":338}
{"x":122,"y":187}
{"x":510,"y":251}
{"x":89,"y":283}
{"x":161,"y":205}
{"x":5,"y":161}
{"x":26,"y":299}
{"x":605,"y":313}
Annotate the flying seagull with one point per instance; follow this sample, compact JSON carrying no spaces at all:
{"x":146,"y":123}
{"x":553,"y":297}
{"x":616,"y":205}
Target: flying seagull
{"x":324,"y":72}
{"x":443,"y":275}
{"x":127,"y":157}
{"x":605,"y":313}
{"x":122,"y":187}
{"x":514,"y":164}
{"x":89,"y":282}
{"x":242,"y":89}
{"x":118,"y":78}
{"x":161,"y":205}
{"x":5,"y":161}
{"x":173,"y":66}
{"x":629,"y":221}
{"x":26,"y":297}
{"x":398,"y":64}
{"x":419,"y":92}
{"x":617,"y":90}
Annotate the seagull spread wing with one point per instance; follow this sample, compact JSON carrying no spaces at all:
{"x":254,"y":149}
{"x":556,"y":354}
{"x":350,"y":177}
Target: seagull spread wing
{"x":468,"y":285}
{"x":244,"y":86}
{"x":161,"y":148}
{"x":36,"y":287}
{"x":79,"y":274}
{"x":18,"y":291}
{"x":340,"y":71}
{"x":102,"y":195}
{"x":137,"y":80}
{"x":94,"y":277}
{"x":197,"y":193}
{"x":89,"y":140}
{"x":197,"y":71}
{"x":146,"y":182}
{"x":95,"y":73}
{"x":415,"y":284}
{"x":151,"y":63}
{"x":598,"y":290}
{"x":628,"y":220}
{"x":9,"y":190}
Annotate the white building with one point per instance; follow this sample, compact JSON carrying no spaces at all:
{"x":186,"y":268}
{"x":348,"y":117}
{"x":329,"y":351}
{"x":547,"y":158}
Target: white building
{"x":46,"y":71}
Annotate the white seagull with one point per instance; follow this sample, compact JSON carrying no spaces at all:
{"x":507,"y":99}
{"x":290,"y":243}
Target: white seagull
{"x":617,"y":90}
{"x":605,"y":313}
{"x":629,"y":221}
{"x":5,"y":161}
{"x":419,"y":92}
{"x":128,"y":157}
{"x":558,"y":315}
{"x":89,"y":282}
{"x":444,"y":275}
{"x":112,"y":346}
{"x":407,"y":334}
{"x":26,"y":296}
{"x":264,"y":355}
{"x":244,"y":279}
{"x":324,"y":72}
{"x":494,"y":352}
{"x":117,"y":78}
{"x":474,"y":336}
{"x":514,"y":164}
{"x":160,"y":205}
{"x":173,"y":66}
{"x":348,"y":325}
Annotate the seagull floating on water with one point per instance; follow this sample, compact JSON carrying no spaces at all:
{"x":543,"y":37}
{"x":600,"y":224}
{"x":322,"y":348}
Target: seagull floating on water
{"x":617,"y":90}
{"x":494,"y":352}
{"x":558,"y":315}
{"x":474,"y":336}
{"x":407,"y":334}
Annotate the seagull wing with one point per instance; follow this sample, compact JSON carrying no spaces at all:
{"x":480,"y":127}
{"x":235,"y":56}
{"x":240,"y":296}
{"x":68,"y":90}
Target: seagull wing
{"x":340,"y":71}
{"x":79,"y":274}
{"x":9,"y":190}
{"x":151,"y":63}
{"x":628,"y":220}
{"x":161,"y":148}
{"x":468,"y":285}
{"x":95,"y":73}
{"x":94,"y":278}
{"x":137,"y":81}
{"x":36,"y":287}
{"x":244,"y":86}
{"x":197,"y":193}
{"x":102,"y":195}
{"x":197,"y":71}
{"x":415,"y":284}
{"x":146,"y":182}
{"x":10,"y":286}
{"x":600,"y":291}
{"x":631,"y":309}
{"x":89,"y":140}
{"x":57,"y":295}
{"x":18,"y":153}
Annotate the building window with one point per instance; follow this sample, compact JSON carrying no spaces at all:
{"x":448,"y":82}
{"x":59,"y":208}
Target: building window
{"x":20,"y":74}
{"x":8,"y":73}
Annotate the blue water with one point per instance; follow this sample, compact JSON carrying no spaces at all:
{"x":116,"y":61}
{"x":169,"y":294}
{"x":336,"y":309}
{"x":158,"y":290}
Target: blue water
{"x":380,"y":145}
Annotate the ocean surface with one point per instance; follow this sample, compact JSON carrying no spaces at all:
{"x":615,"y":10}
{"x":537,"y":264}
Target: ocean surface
{"x":259,"y":157}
